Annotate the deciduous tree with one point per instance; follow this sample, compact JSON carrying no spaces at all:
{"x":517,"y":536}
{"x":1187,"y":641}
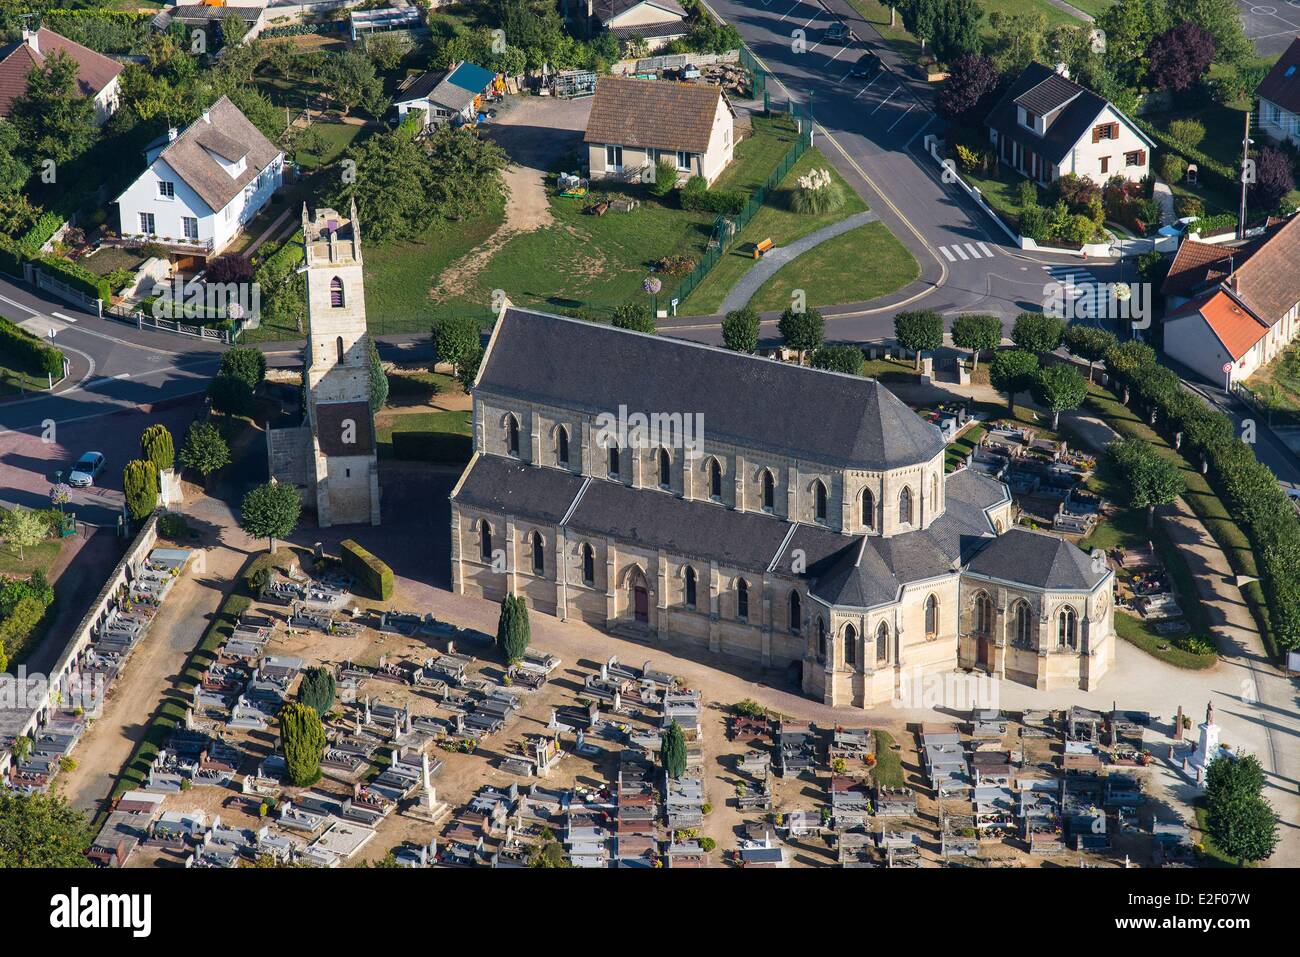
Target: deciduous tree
{"x":1060,"y":388}
{"x":740,"y":330}
{"x":270,"y":511}
{"x":1013,"y":371}
{"x":205,"y":450}
{"x":40,"y":830}
{"x":976,"y":332}
{"x":919,"y":331}
{"x":803,"y":329}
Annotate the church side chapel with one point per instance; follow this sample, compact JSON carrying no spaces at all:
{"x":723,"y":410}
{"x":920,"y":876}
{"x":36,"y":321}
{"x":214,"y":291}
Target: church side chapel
{"x":331,"y":457}
{"x":810,"y":526}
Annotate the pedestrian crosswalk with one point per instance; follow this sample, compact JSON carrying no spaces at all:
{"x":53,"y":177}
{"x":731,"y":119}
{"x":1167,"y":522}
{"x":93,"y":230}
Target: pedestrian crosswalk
{"x":1082,"y":288}
{"x":966,"y":251}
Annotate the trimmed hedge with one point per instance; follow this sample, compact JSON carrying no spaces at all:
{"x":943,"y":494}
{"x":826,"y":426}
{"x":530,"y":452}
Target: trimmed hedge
{"x":33,"y":353}
{"x":448,"y":448}
{"x":77,"y":276}
{"x":367,"y":569}
{"x":1248,"y":489}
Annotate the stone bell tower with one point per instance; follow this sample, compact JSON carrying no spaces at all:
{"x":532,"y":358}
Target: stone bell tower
{"x":336,"y":371}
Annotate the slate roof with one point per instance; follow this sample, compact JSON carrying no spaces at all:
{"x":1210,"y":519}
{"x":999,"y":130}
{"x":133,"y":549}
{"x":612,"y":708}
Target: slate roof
{"x":225,"y":131}
{"x":1042,"y":85}
{"x":1282,"y":84}
{"x":500,"y":484}
{"x":655,"y":114}
{"x":839,"y":420}
{"x":94,"y":70}
{"x":1037,"y":559}
{"x":330,"y":417}
{"x":652,"y":31}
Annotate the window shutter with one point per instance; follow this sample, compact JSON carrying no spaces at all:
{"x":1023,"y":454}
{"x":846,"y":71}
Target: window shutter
{"x":1114,"y":131}
{"x":1096,"y":134}
{"x":1142,"y":157}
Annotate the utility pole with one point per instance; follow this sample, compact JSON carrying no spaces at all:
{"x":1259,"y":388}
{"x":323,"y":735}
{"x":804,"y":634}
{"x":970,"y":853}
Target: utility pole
{"x":1245,"y":165}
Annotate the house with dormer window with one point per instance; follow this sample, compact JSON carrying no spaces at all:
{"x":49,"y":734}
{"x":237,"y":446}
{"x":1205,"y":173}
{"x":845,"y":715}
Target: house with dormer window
{"x":1279,"y":98}
{"x":1046,"y":126}
{"x":202,"y":185}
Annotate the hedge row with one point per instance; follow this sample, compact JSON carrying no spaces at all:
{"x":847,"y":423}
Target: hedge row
{"x":367,"y":569}
{"x":1247,"y":486}
{"x":447,"y":448}
{"x":46,"y":225}
{"x":32,"y":353}
{"x":77,"y":276}
{"x":1207,"y":167}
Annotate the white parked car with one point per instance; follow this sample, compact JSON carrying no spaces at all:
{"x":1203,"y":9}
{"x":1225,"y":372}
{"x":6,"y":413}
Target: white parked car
{"x":88,"y":466}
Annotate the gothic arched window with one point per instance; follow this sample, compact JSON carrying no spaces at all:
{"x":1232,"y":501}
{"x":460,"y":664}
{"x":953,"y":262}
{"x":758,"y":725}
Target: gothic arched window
{"x":868,"y":509}
{"x":850,"y":644}
{"x":983,"y":614}
{"x":796,"y":611}
{"x":336,"y":292}
{"x":905,"y":507}
{"x":769,"y":491}
{"x":665,"y":469}
{"x":512,"y":434}
{"x":742,"y":599}
{"x":715,"y":480}
{"x":562,"y":445}
{"x":1067,"y":631}
{"x":539,"y":554}
{"x":882,"y":641}
{"x":338,"y":349}
{"x":819,"y":491}
{"x":485,"y":541}
{"x":614,"y":470}
{"x":690,"y":587}
{"x":931,"y":617}
{"x":588,"y":564}
{"x":1024,"y":633}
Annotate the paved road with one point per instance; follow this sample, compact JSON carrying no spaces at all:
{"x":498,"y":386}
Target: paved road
{"x":873,"y":132}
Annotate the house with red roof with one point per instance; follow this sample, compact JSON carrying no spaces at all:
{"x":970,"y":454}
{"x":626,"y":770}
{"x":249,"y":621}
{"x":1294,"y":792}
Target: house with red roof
{"x":1232,"y":309}
{"x":97,"y":75}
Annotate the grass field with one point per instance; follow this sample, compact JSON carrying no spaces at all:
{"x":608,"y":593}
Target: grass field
{"x":400,"y":274}
{"x":877,"y":14}
{"x":775,"y":220}
{"x":457,"y":423}
{"x":40,"y":557}
{"x":324,"y":142}
{"x":837,"y":272}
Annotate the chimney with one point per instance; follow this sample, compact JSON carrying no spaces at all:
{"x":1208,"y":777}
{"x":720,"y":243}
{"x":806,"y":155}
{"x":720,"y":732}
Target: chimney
{"x":32,"y":39}
{"x":171,"y":133}
{"x":207,"y":116}
{"x":1063,"y":69}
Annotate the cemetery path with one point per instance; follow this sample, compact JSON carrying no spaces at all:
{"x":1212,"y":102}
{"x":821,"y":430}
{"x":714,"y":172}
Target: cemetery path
{"x":157,"y":662}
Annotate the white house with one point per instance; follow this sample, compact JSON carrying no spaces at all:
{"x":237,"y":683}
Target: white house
{"x":657,"y":22}
{"x":97,"y":75}
{"x":1279,"y":97}
{"x":635,"y":123}
{"x":1046,"y":126}
{"x":444,"y":96}
{"x":1232,"y":310}
{"x":202,"y":185}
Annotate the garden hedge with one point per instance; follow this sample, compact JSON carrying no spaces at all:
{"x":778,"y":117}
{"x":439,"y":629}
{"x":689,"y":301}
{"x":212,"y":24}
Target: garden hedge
{"x":32,"y":353}
{"x":77,"y":276}
{"x":46,"y":225}
{"x":367,"y":569}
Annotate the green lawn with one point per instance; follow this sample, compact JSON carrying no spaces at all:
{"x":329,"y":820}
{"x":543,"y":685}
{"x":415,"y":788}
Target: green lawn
{"x":877,"y":14}
{"x":39,"y":557}
{"x":324,"y":142}
{"x":420,"y":386}
{"x":775,"y":221}
{"x":1094,"y":7}
{"x":1000,"y":188}
{"x":400,"y":274}
{"x":836,"y":271}
{"x":456,"y":423}
{"x":757,"y":154}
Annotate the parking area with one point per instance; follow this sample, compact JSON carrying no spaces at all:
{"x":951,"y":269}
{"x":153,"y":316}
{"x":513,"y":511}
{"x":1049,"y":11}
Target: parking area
{"x":1272,"y":26}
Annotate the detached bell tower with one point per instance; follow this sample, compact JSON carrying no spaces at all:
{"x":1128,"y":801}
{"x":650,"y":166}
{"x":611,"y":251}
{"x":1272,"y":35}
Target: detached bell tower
{"x":336,"y":371}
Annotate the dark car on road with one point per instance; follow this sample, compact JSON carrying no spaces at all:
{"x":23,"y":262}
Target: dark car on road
{"x":868,"y":65}
{"x":838,"y":33}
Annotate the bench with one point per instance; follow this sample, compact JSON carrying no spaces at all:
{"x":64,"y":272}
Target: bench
{"x":763,"y":247}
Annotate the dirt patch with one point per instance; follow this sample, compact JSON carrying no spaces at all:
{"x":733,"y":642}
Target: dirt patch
{"x":537,"y":133}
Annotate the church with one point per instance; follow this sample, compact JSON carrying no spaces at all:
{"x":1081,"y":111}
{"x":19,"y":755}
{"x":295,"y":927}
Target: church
{"x":331,"y":456}
{"x":760,"y":510}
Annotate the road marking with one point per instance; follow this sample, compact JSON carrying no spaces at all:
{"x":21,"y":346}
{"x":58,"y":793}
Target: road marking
{"x":924,"y":126}
{"x":885,"y":100}
{"x":966,"y":251}
{"x":900,"y":119}
{"x":19,"y":305}
{"x":811,"y":19}
{"x":791,"y":10}
{"x":868,"y":86}
{"x":59,"y":315}
{"x":837,"y":56}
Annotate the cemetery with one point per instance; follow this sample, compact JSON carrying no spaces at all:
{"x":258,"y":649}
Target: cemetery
{"x":437,"y":755}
